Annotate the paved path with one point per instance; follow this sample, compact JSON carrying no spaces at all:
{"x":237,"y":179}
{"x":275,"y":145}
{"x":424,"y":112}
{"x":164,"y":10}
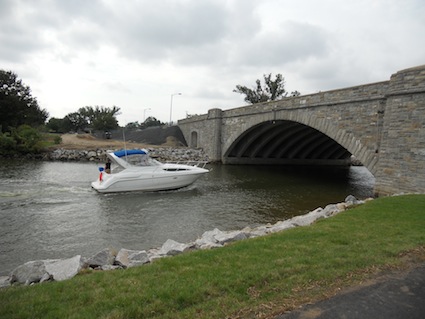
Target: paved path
{"x":399,"y":296}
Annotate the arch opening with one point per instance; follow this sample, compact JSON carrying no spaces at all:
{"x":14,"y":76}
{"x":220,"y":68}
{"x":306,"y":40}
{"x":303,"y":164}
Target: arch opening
{"x":286,"y":142}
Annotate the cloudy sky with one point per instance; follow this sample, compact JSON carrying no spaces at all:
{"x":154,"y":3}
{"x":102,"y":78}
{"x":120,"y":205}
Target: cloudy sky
{"x":135,"y":54}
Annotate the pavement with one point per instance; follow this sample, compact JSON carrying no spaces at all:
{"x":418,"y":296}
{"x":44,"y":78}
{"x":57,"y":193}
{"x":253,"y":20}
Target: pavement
{"x":395,"y":296}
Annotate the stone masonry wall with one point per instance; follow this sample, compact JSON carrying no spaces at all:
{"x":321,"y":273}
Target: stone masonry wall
{"x":402,"y":152}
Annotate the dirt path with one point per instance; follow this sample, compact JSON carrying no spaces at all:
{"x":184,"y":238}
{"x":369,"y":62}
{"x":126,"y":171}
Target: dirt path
{"x":87,"y":141}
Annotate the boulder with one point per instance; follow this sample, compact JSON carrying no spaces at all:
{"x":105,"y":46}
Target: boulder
{"x":208,"y":239}
{"x":153,"y":254}
{"x":46,"y":277}
{"x":281,"y":225}
{"x":217,"y":238}
{"x":309,"y":218}
{"x":333,"y":209}
{"x":91,"y":154}
{"x":172,"y":248}
{"x":4,"y":281}
{"x":103,"y":257}
{"x":227,"y":237}
{"x":29,"y":272}
{"x":130,"y":258}
{"x":63,"y":269}
{"x":351,"y":200}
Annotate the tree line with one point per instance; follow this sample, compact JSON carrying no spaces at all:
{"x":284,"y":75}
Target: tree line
{"x":22,"y":120}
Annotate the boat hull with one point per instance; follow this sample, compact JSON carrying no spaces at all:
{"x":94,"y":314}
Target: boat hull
{"x":138,"y":180}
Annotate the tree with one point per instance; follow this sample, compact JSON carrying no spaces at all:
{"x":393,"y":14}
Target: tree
{"x":105,"y":119}
{"x":96,"y":118}
{"x":21,"y":140}
{"x":56,"y":125}
{"x":132,"y":125}
{"x":17,"y":105}
{"x":151,"y":121}
{"x":273,"y":90}
{"x":99,"y":117}
{"x":74,"y":122}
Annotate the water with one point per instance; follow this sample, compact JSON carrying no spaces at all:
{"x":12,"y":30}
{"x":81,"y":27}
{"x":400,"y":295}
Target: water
{"x":48,"y":209}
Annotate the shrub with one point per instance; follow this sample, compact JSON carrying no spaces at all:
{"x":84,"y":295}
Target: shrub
{"x":22,"y":140}
{"x":7,"y":144}
{"x":57,"y":140}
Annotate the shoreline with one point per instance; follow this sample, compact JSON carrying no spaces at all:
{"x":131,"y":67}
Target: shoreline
{"x":39,"y":271}
{"x":163,"y":154}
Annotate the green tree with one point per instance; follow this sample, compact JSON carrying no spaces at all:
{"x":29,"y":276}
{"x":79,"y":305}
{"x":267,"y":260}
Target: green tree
{"x":99,"y":117}
{"x":105,"y":118}
{"x":27,"y":139}
{"x":17,"y":105}
{"x":132,"y":125}
{"x":151,"y":121}
{"x":56,"y":125}
{"x":74,"y":122}
{"x":272,"y":90}
{"x":21,"y":140}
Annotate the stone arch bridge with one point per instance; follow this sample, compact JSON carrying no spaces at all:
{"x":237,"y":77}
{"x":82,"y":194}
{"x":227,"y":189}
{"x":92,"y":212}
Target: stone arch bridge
{"x":381,"y":124}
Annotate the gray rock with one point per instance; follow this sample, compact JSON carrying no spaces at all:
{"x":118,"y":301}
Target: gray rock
{"x":333,"y":209}
{"x":46,"y":277}
{"x":227,"y":237}
{"x":63,"y":269}
{"x":153,"y":254}
{"x":208,"y":239}
{"x":103,"y":257}
{"x":351,"y":200}
{"x":309,"y":218}
{"x":282,"y":225}
{"x":29,"y":272}
{"x":130,"y":258}
{"x":91,"y":154}
{"x":172,"y":248}
{"x":4,"y":281}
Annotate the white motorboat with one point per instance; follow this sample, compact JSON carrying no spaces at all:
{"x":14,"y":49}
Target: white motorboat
{"x":135,"y":170}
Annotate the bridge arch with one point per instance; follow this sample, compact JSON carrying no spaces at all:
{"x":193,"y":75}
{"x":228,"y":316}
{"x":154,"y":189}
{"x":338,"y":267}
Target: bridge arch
{"x":294,"y":141}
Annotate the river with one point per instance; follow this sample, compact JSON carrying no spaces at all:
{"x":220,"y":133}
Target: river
{"x":48,"y":209}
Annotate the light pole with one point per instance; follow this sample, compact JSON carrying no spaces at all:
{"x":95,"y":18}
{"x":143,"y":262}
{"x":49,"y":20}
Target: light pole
{"x":171,"y":105}
{"x":144,"y":114}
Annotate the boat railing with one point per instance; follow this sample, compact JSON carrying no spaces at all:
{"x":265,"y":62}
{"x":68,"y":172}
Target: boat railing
{"x":200,"y":164}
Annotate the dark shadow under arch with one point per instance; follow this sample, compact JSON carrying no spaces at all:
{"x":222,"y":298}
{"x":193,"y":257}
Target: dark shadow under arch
{"x":286,"y":142}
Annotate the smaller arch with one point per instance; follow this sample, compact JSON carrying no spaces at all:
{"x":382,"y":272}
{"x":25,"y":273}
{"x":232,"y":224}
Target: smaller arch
{"x":194,"y":139}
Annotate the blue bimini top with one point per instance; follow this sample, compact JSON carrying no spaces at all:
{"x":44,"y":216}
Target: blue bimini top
{"x":123,"y":153}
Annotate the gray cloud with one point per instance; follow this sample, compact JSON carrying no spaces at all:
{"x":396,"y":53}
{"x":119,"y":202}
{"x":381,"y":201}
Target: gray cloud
{"x":293,"y":42}
{"x":206,"y":47}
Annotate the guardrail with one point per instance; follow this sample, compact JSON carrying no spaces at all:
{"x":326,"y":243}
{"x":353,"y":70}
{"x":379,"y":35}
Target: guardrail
{"x":200,"y":164}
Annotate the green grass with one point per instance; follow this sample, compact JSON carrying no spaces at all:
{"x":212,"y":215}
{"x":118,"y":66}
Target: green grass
{"x":50,"y":140}
{"x":249,"y":279}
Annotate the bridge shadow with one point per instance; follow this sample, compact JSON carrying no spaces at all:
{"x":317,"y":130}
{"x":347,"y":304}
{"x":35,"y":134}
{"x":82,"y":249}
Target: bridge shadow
{"x":286,"y":142}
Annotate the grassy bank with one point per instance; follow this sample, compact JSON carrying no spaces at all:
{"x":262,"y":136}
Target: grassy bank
{"x":254,"y":278}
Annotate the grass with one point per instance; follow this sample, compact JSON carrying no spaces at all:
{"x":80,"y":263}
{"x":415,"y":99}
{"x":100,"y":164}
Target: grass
{"x":50,"y":140}
{"x":254,"y":278}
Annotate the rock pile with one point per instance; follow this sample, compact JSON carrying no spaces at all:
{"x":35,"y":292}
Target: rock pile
{"x":163,"y":154}
{"x":61,"y":269}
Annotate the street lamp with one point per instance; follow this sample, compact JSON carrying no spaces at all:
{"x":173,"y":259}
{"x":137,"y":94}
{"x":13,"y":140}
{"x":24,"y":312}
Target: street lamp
{"x":144,"y":114}
{"x":171,"y":105}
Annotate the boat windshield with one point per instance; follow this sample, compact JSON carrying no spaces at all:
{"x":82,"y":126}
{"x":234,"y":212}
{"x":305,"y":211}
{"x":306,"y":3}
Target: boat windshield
{"x":140,"y":160}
